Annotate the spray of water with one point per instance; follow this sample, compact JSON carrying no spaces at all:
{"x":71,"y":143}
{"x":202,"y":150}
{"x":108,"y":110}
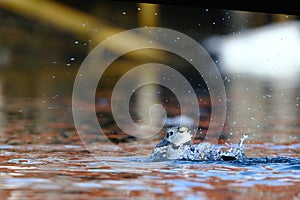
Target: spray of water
{"x":169,"y":150}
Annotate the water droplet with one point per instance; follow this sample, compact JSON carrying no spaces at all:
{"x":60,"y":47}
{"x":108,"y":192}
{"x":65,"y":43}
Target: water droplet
{"x":124,"y":13}
{"x":54,"y":97}
{"x":139,"y":9}
{"x":72,"y":59}
{"x":53,"y":76}
{"x":76,"y":42}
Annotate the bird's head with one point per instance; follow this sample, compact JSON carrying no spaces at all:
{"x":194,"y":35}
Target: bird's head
{"x":176,"y":136}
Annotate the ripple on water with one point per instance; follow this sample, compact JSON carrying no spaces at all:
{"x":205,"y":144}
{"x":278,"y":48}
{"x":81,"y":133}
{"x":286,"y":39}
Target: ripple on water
{"x":14,"y":183}
{"x":290,"y":168}
{"x":63,"y":171}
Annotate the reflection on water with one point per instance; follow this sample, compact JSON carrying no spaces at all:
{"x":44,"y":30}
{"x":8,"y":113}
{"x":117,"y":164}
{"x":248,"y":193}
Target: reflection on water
{"x":68,"y":171}
{"x":42,"y":156}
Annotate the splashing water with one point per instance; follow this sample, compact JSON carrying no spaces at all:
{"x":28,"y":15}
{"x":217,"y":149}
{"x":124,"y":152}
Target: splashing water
{"x":170,"y":149}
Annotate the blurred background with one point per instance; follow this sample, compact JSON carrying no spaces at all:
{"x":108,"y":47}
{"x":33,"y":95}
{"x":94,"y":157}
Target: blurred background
{"x":43,"y":43}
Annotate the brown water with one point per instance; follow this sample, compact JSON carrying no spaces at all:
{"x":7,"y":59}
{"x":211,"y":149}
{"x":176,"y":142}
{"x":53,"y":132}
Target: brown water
{"x":42,"y":157}
{"x":70,"y":172}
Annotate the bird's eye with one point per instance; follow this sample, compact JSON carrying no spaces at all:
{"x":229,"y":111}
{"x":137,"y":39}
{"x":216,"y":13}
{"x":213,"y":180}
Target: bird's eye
{"x":171,"y":133}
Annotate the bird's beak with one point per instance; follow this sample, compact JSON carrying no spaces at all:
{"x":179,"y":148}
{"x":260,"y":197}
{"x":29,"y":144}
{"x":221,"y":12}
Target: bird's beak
{"x":163,"y":143}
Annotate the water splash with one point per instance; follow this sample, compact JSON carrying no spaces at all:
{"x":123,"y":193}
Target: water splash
{"x":235,"y":153}
{"x":208,"y":152}
{"x":192,"y":152}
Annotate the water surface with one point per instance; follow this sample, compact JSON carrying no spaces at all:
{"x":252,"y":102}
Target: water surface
{"x":69,"y":171}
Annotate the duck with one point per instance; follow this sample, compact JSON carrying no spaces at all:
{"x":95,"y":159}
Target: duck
{"x":177,"y":145}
